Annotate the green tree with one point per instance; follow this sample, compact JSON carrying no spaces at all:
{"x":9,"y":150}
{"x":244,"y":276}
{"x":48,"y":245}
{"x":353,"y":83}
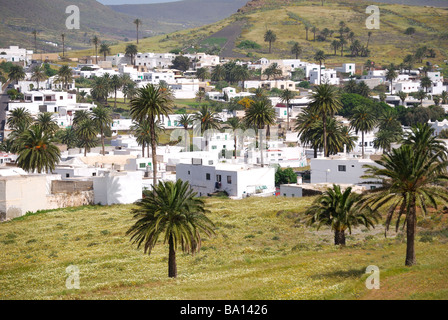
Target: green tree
{"x":235,"y":124}
{"x":181,"y":63}
{"x":47,"y":123}
{"x":86,"y":134}
{"x":38,"y":75}
{"x":16,"y":73}
{"x":363,"y":120}
{"x":19,"y":118}
{"x":186,"y":121}
{"x":105,"y":50}
{"x":296,"y":50}
{"x":103,"y":120}
{"x":150,"y":103}
{"x":340,"y":210}
{"x":65,"y":76}
{"x":259,"y":115}
{"x":326,"y":102}
{"x":286,"y":96}
{"x":411,"y":179}
{"x":202,"y":73}
{"x":285,"y":176}
{"x":142,"y":133}
{"x":206,"y":120}
{"x":96,"y":42}
{"x":270,"y":37}
{"x":37,"y":151}
{"x":131,"y":51}
{"x":137,"y":23}
{"x":391,"y":75}
{"x":426,"y":83}
{"x":171,"y":210}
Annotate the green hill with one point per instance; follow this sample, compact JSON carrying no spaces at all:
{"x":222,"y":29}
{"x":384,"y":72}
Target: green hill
{"x":261,"y":250}
{"x":288,"y":19}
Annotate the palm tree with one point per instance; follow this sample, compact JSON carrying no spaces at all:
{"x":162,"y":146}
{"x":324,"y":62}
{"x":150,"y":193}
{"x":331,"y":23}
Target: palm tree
{"x":129,"y":89}
{"x":115,"y":84}
{"x":337,"y":135}
{"x":202,"y":73}
{"x":96,"y":41}
{"x":335,"y":45}
{"x":131,"y":51}
{"x":402,"y":95}
{"x":340,"y":211}
{"x":38,"y":75}
{"x":258,"y":115}
{"x":186,"y":121}
{"x":422,"y":137}
{"x":320,"y":58}
{"x":65,"y":75}
{"x":151,"y":102}
{"x":69,"y":138}
{"x":142,"y":132}
{"x":369,"y":34}
{"x":411,"y":178}
{"x":286,"y":96}
{"x":80,"y":116}
{"x":273,"y":70}
{"x":391,"y":75}
{"x":86,"y":133}
{"x":235,"y":124}
{"x":101,"y":88}
{"x":218,"y":73}
{"x":46,"y":121}
{"x":364,"y":120}
{"x":206,"y":120}
{"x":306,"y":122}
{"x":16,"y":73}
{"x":19,"y":118}
{"x":173,"y":210}
{"x":296,"y":50}
{"x":63,"y":45}
{"x":307,"y":27}
{"x":137,"y":23}
{"x":426,"y":83}
{"x":102,"y":119}
{"x":444,"y":97}
{"x":326,"y":102}
{"x":37,"y":151}
{"x":105,"y":50}
{"x":270,"y":37}
{"x":384,"y":139}
{"x":420,"y":95}
{"x":314,"y":30}
{"x":34,"y":33}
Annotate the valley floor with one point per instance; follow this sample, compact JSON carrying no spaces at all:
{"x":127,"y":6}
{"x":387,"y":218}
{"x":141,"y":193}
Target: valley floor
{"x":261,"y":250}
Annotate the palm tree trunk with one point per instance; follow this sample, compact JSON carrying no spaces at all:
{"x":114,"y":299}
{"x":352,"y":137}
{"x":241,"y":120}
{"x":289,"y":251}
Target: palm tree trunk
{"x":339,"y":238}
{"x":287,"y":116}
{"x":143,"y":150}
{"x":187,"y":143}
{"x":172,"y":266}
{"x":411,"y":228}
{"x":154,"y":150}
{"x":324,"y":121}
{"x":261,"y":148}
{"x":102,"y":141}
{"x":362,"y":138}
{"x":115,"y":102}
{"x":234,"y":140}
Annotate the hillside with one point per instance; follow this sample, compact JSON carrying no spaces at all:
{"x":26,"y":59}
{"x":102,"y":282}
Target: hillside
{"x":173,"y":16}
{"x":288,"y":19}
{"x":261,"y":250}
{"x":19,"y":18}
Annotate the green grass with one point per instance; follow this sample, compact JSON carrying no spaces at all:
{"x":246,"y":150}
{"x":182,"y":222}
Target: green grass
{"x":261,"y":250}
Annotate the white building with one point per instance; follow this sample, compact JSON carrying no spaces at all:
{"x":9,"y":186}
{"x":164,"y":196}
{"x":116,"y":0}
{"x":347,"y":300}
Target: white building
{"x":16,"y":54}
{"x":152,"y":60}
{"x":340,"y":170}
{"x":237,"y":180}
{"x":118,"y":188}
{"x":325,"y":76}
{"x":349,"y":68}
{"x":291,"y":190}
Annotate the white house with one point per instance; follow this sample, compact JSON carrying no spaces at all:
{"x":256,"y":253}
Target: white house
{"x":291,"y":190}
{"x":16,"y":54}
{"x":349,"y":68}
{"x":327,"y":76}
{"x":237,"y":180}
{"x":118,"y":188}
{"x":154,"y":60}
{"x":340,"y":170}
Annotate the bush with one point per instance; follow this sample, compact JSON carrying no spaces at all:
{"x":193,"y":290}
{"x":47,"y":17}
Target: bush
{"x":248,"y":44}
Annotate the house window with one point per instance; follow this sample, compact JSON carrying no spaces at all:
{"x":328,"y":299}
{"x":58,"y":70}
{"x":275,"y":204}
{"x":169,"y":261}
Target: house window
{"x":342,"y":168}
{"x":229,"y":179}
{"x":94,"y":174}
{"x":142,"y":165}
{"x":210,"y":162}
{"x":188,"y":172}
{"x":214,"y":147}
{"x":207,"y":176}
{"x":218,"y":178}
{"x":67,"y":175}
{"x":372,"y":187}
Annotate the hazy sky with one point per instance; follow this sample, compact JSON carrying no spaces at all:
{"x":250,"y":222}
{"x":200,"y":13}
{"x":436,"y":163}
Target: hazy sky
{"x":112,"y":2}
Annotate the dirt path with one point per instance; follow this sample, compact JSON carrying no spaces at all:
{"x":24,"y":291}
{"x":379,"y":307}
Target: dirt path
{"x":231,"y":33}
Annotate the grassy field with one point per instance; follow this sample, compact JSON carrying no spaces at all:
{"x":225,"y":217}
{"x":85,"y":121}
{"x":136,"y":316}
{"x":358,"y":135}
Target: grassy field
{"x":387,"y":44}
{"x":261,"y":250}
